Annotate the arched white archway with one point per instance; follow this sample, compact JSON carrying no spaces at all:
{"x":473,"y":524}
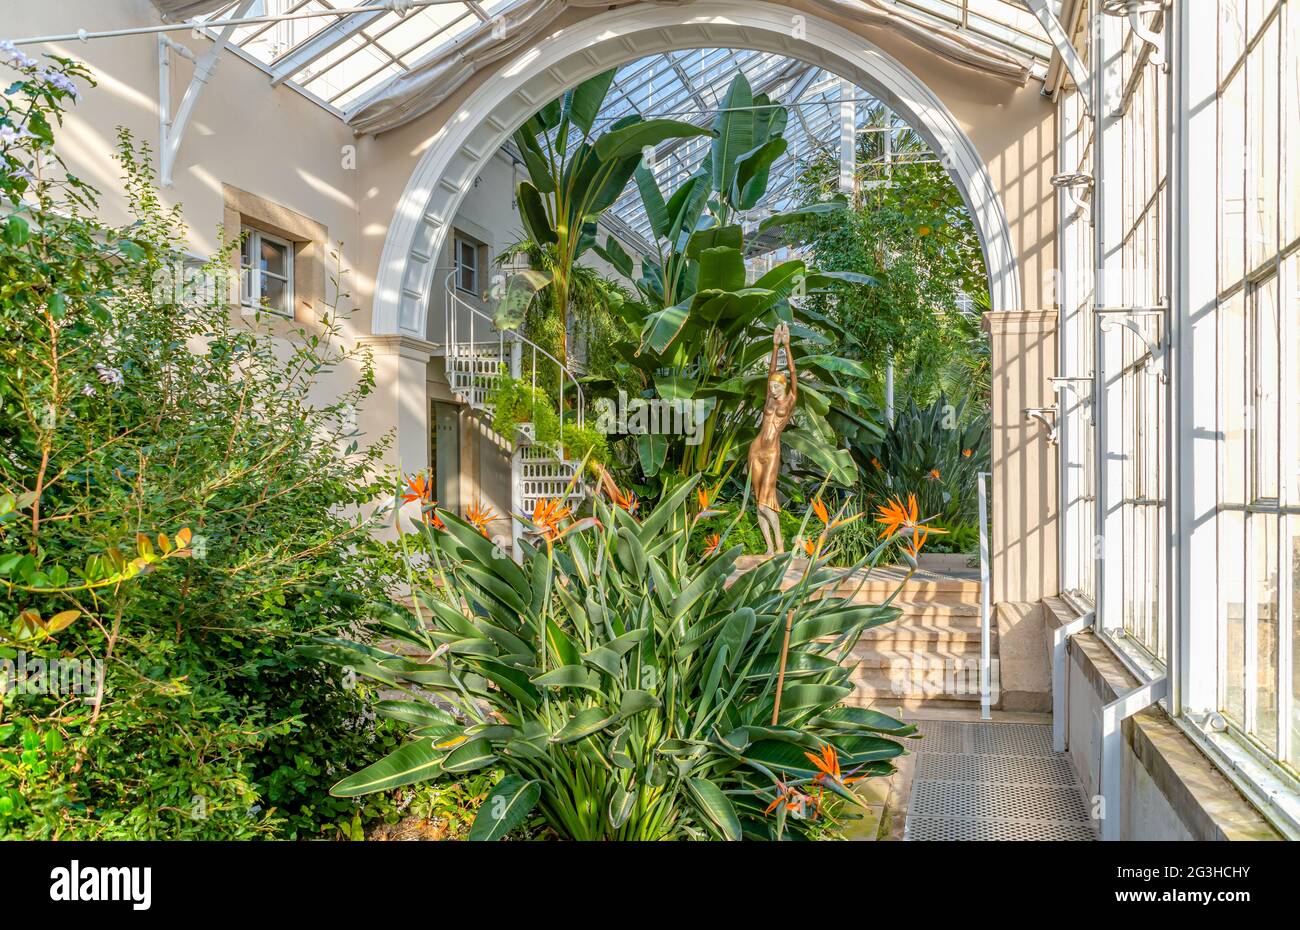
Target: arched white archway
{"x":497,"y":107}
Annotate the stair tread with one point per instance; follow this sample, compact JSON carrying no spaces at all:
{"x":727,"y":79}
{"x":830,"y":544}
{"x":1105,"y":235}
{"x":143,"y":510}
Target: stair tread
{"x":961,"y":623}
{"x":883,"y":589}
{"x":901,"y":653}
{"x":878,"y":685}
{"x":936,"y":608}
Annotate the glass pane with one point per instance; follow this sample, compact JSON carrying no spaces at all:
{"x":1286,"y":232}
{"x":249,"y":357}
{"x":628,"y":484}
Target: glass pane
{"x":1266,"y":627}
{"x":1262,"y":146}
{"x":1232,"y":35}
{"x":275,"y":292}
{"x":275,"y":258}
{"x":1291,"y":123}
{"x":1232,"y":498}
{"x":1232,"y":615}
{"x":1294,"y":556}
{"x":246,"y":247}
{"x":1257,"y":11}
{"x":1232,"y":137}
{"x":1267,"y":379}
{"x":1289,"y":290}
{"x":468,"y":265}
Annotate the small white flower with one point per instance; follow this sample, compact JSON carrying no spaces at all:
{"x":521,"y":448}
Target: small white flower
{"x":89,"y":390}
{"x":110,"y":376}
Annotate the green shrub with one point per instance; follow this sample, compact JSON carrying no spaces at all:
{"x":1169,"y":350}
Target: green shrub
{"x":584,"y":442}
{"x":515,"y":402}
{"x":626,"y":693}
{"x":130,"y":404}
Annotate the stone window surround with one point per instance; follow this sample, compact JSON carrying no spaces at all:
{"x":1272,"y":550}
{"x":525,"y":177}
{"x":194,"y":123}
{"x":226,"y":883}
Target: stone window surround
{"x":1208,"y":804}
{"x":310,"y":240}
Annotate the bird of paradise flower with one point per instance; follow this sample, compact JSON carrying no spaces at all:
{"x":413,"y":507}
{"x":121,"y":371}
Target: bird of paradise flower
{"x":480,"y":516}
{"x":420,"y":488}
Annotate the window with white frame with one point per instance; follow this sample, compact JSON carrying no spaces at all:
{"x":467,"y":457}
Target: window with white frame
{"x":467,"y":264}
{"x":266,"y":272}
{"x":1077,"y":346}
{"x":1131,"y":367}
{"x":1258,"y":274}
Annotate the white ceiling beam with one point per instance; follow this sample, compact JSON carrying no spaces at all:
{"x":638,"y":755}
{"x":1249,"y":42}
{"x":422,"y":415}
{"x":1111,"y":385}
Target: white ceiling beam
{"x":687,"y":83}
{"x":1056,"y":34}
{"x":173,"y":127}
{"x":848,"y":125}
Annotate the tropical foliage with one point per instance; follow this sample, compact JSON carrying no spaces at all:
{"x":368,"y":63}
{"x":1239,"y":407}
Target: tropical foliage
{"x":708,"y":329}
{"x":624,"y":688}
{"x":596,"y":321}
{"x":516,"y":402}
{"x":935,"y":452}
{"x":910,"y":230}
{"x":574,"y":175}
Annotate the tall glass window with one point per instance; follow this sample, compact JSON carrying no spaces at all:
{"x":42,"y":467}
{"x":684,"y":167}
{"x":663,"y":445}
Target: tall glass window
{"x":1258,"y":160}
{"x":1139,"y":85}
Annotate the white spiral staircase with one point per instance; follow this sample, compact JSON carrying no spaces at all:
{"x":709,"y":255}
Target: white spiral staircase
{"x":537,"y":470}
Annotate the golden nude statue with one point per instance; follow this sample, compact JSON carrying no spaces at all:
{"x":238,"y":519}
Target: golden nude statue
{"x":765,"y":450}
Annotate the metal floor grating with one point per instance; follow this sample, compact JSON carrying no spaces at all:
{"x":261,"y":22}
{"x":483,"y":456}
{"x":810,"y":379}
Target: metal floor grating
{"x":994,"y":781}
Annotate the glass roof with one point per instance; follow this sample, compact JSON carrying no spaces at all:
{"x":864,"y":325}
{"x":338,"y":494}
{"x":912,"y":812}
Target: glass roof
{"x":690,"y":85}
{"x":1006,"y":23}
{"x":340,"y":58}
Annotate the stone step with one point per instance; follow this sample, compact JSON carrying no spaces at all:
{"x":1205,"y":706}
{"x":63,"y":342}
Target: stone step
{"x":885,"y":687}
{"x":923,"y":639}
{"x":876,"y":655}
{"x":934,"y":607}
{"x":943,"y":628}
{"x":914,"y":588}
{"x":892,"y":705}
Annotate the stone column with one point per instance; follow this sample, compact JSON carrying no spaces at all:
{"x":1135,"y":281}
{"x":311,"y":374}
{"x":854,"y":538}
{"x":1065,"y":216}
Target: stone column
{"x":1024,"y":544}
{"x":1024,"y":534}
{"x":400,"y":402}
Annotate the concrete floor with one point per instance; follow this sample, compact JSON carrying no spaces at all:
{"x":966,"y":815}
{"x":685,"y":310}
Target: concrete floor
{"x":991,"y":780}
{"x":968,"y":779}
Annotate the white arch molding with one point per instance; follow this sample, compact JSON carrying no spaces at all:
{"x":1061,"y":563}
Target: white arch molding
{"x":463,"y":146}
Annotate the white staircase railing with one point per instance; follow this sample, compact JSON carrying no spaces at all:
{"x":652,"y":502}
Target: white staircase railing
{"x":473,"y":363}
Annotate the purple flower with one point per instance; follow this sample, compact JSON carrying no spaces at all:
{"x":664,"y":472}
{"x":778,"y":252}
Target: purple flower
{"x":10,"y":55}
{"x":11,"y":134}
{"x":61,"y":82}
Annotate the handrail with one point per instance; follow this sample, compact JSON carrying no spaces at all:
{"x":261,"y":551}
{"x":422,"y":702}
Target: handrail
{"x":986,"y":604}
{"x":453,"y":344}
